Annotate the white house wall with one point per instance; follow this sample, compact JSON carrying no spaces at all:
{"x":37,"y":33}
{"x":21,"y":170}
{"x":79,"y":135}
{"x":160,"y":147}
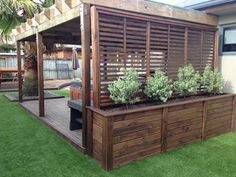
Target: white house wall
{"x":228,"y":61}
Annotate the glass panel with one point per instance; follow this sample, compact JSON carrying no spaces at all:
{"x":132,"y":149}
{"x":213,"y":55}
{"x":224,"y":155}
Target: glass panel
{"x":230,"y":36}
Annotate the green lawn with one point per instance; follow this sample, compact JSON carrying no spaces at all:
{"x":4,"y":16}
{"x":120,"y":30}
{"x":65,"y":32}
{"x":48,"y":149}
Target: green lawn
{"x":30,"y":149}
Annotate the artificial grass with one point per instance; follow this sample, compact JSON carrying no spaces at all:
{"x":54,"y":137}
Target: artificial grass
{"x":62,"y":92}
{"x":29,"y":149}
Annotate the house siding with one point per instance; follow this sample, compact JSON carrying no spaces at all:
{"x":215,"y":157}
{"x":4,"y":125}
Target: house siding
{"x":228,"y":61}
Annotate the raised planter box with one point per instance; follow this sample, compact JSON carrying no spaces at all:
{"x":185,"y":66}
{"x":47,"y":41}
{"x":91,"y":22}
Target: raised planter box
{"x":116,"y":138}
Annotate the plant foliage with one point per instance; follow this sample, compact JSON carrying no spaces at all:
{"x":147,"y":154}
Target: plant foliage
{"x":8,"y":15}
{"x":125,"y":89}
{"x":7,"y":47}
{"x":212,"y":80}
{"x":159,"y":87}
{"x":188,"y":81}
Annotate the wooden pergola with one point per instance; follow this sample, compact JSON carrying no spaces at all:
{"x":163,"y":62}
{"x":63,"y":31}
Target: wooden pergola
{"x":79,"y":21}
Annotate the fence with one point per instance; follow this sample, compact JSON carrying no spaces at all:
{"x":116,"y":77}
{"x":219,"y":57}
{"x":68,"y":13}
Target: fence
{"x":53,"y":68}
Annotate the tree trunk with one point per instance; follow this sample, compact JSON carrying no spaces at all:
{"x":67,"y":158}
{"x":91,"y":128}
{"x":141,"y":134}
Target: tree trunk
{"x":30,"y":86}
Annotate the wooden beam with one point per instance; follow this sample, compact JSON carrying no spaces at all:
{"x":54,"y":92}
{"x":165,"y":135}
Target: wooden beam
{"x":72,"y":3}
{"x":57,"y":20}
{"x":154,"y":8}
{"x":85,"y":38}
{"x":61,"y":6}
{"x":39,"y":41}
{"x":19,"y":71}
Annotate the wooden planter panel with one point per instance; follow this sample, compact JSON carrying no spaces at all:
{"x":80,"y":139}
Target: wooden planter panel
{"x":184,"y":124}
{"x":116,"y":138}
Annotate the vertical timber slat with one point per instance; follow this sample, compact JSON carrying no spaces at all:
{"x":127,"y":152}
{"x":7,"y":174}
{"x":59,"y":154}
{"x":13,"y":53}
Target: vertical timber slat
{"x":39,"y":41}
{"x":202,"y":48}
{"x":19,"y":72}
{"x":148,"y":48}
{"x":164,"y":123}
{"x":186,"y":47}
{"x":204,"y":117}
{"x":125,"y":42}
{"x":85,"y":50}
{"x":107,"y":143}
{"x":95,"y":56}
{"x":90,"y":132}
{"x":216,"y":48}
{"x":233,"y":113}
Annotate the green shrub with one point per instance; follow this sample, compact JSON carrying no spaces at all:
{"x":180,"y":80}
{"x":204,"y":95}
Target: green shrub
{"x":159,"y":87}
{"x":212,"y":80}
{"x":188,"y":81}
{"x":125,"y":89}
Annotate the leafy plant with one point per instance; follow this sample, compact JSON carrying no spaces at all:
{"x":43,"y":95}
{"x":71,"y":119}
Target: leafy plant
{"x":188,"y":81}
{"x":125,"y":89}
{"x":159,"y":87}
{"x":212,"y":80}
{"x":7,"y":47}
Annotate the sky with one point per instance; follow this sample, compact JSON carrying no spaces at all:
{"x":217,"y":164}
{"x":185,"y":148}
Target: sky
{"x":172,"y":2}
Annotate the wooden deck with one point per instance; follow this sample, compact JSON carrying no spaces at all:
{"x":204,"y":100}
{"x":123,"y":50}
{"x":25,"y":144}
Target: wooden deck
{"x":48,"y":85}
{"x":57,"y":116}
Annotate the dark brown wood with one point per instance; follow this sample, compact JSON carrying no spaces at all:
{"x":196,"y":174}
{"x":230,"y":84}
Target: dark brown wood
{"x":85,"y":38}
{"x":89,"y":132}
{"x":57,"y":118}
{"x":233,"y":128}
{"x":164,"y":122}
{"x":19,"y":71}
{"x":186,"y":47}
{"x":39,"y":43}
{"x":148,"y":48}
{"x":126,"y":136}
{"x":108,"y":143}
{"x":204,"y":116}
{"x":123,"y":40}
{"x":95,"y":56}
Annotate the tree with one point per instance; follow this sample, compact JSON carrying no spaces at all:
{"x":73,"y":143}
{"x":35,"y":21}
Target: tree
{"x":9,"y":19}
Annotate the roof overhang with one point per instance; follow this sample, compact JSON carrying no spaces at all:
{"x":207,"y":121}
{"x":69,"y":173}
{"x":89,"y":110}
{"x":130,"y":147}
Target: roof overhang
{"x":65,"y":10}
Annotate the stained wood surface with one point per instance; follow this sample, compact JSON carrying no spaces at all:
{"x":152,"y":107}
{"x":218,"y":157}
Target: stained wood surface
{"x":131,"y":135}
{"x":124,"y":40}
{"x":57,"y":116}
{"x":39,"y":43}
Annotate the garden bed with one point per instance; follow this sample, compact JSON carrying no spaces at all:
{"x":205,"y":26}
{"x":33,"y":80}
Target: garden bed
{"x":116,"y":137}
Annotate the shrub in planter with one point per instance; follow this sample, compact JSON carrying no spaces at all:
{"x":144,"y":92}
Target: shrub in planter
{"x":188,"y":81}
{"x":125,"y":89}
{"x":212,"y":80}
{"x":159,"y":87}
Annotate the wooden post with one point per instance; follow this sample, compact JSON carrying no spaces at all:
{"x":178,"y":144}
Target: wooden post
{"x":39,"y":41}
{"x":95,"y":56}
{"x":18,"y":51}
{"x":89,"y":148}
{"x":216,"y":49}
{"x":85,"y":43}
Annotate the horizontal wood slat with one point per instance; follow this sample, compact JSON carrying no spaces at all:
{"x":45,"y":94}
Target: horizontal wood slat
{"x":134,"y":135}
{"x":126,"y":41}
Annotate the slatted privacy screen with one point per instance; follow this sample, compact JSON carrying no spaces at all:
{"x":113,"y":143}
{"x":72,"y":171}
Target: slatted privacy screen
{"x":123,"y":40}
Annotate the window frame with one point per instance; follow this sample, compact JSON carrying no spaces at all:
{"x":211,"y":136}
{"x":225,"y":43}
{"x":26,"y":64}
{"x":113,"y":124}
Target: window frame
{"x":223,"y":28}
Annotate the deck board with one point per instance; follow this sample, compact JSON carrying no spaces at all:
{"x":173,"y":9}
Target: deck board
{"x":57,"y":115}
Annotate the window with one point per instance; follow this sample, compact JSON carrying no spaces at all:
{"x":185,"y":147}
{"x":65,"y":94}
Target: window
{"x":229,"y":40}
